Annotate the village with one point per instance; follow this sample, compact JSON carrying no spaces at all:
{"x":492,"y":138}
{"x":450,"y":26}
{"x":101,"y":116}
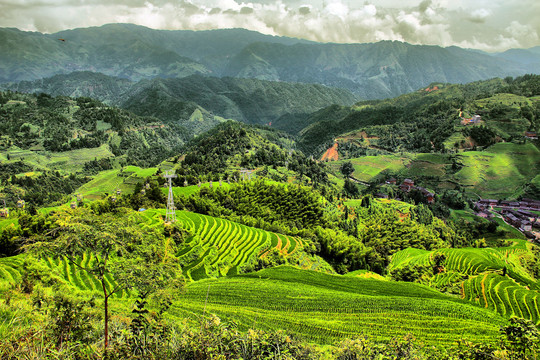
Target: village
{"x":523,"y":215}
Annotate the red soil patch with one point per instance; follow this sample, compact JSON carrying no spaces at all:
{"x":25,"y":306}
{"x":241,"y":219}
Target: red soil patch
{"x":331,"y":154}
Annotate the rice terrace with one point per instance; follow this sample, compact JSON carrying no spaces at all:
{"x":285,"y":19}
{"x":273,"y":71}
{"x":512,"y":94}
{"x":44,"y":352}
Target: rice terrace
{"x":269,"y":181}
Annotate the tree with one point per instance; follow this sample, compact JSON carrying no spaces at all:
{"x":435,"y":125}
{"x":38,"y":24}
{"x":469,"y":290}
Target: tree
{"x":523,"y":338}
{"x":350,"y":188}
{"x":347,"y":169}
{"x":133,"y":258}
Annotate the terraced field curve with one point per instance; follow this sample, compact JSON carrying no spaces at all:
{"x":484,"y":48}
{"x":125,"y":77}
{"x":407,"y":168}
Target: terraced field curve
{"x":220,"y":247}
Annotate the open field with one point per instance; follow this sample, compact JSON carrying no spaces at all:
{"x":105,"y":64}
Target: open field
{"x":500,"y":171}
{"x":367,"y":167}
{"x":108,"y":181}
{"x":325,"y":308}
{"x":71,"y":161}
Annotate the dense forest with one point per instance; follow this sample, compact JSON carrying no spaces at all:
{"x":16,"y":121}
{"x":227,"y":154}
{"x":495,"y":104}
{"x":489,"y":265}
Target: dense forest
{"x":422,"y":121}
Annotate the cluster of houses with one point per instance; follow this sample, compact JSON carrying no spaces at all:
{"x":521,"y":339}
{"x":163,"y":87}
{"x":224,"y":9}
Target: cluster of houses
{"x":408,"y":185}
{"x":516,"y":213}
{"x":471,"y":121}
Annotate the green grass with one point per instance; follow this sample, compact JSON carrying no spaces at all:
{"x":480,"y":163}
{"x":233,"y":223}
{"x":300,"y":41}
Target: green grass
{"x":140,"y":172}
{"x":501,"y":170}
{"x":12,"y":221}
{"x":106,"y":182}
{"x":325,"y":308}
{"x":72,"y":160}
{"x":193,"y":189}
{"x":428,"y":165}
{"x":367,"y":167}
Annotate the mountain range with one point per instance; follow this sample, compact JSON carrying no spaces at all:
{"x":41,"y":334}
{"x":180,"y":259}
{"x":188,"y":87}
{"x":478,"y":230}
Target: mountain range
{"x":375,"y":70}
{"x":198,"y":102}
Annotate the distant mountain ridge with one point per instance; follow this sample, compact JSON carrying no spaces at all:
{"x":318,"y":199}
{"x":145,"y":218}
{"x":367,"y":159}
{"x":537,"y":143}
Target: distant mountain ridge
{"x":198,"y":102}
{"x":377,"y":70}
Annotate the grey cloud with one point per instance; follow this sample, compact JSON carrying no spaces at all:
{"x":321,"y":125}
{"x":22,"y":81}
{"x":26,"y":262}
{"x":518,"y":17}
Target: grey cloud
{"x":479,"y":16}
{"x":304,"y":10}
{"x":246,"y":10}
{"x":485,"y":25}
{"x":424,"y":5}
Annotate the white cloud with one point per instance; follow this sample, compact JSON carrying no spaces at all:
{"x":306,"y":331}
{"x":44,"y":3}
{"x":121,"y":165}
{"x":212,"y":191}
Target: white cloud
{"x":485,"y":24}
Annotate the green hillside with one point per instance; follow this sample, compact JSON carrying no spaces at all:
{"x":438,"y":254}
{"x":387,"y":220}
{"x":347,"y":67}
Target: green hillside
{"x":324,"y":308}
{"x":35,"y":126}
{"x":501,"y":171}
{"x":495,"y":278}
{"x":429,"y":119}
{"x":198,"y":102}
{"x":299,"y":301}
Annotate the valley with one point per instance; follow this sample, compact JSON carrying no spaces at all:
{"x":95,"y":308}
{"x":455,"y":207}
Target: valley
{"x":321,"y":210}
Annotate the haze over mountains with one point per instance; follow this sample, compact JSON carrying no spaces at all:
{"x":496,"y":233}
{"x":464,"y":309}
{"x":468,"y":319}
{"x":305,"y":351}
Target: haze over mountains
{"x":376,"y":70}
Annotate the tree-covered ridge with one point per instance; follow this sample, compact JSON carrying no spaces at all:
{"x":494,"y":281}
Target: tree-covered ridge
{"x":224,"y":151}
{"x":198,"y":102}
{"x":429,"y":119}
{"x":292,"y":206}
{"x":59,"y":124}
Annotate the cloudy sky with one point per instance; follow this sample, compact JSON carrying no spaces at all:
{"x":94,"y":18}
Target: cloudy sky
{"x":490,"y":25}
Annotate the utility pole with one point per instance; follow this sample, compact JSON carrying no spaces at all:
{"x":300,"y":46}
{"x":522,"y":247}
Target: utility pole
{"x":170,"y":216}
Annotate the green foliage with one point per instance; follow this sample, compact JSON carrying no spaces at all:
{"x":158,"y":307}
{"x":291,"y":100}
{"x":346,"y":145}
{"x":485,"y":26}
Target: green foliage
{"x":135,"y":258}
{"x":347,"y":169}
{"x":523,"y":338}
{"x":482,"y":135}
{"x":292,"y":206}
{"x":69,"y":319}
{"x":46,"y":188}
{"x":414,"y":273}
{"x":62,"y":124}
{"x":426,"y":121}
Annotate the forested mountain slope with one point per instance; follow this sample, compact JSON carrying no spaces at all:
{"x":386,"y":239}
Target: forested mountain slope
{"x":38,"y":123}
{"x":430,"y":119}
{"x":199,"y":102}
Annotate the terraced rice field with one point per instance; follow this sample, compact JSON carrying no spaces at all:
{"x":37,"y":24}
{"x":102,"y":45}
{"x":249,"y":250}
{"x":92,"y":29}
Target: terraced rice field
{"x":468,"y":261}
{"x":514,"y":294}
{"x":220,"y":247}
{"x":324,"y":308}
{"x":11,"y":270}
{"x":503,"y":295}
